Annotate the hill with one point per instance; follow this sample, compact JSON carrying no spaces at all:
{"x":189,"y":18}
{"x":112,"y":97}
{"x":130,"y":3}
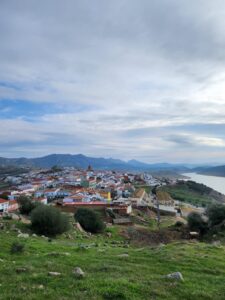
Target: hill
{"x":213,"y":171}
{"x":82,"y":161}
{"x":194,"y":193}
{"x":114,"y":270}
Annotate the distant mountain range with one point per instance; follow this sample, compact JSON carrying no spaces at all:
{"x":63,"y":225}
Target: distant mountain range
{"x":82,"y":161}
{"x":213,"y":171}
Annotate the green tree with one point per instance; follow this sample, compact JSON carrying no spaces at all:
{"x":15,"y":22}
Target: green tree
{"x":26,"y":205}
{"x":48,"y":220}
{"x":90,"y":220}
{"x":216,"y":214}
{"x":196,"y":222}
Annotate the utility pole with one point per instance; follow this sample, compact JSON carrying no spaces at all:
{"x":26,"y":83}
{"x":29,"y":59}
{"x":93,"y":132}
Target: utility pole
{"x":154,"y":190}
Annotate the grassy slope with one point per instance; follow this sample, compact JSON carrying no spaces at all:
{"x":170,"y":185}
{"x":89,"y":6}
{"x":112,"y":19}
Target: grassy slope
{"x":138,"y":276}
{"x":184,"y":194}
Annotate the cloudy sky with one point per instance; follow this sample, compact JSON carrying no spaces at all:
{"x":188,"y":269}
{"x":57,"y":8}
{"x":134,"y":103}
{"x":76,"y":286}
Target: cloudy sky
{"x":127,"y":79}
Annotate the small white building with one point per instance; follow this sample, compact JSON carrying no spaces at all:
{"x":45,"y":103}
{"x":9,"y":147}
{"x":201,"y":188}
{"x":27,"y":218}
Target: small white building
{"x":4,"y":205}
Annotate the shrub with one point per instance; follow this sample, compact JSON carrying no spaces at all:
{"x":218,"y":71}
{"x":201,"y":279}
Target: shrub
{"x":7,"y":217}
{"x":48,"y":220}
{"x":26,"y":205}
{"x":196,"y":222}
{"x":16,"y":247}
{"x":216,"y":214}
{"x":178,"y":224}
{"x":90,"y":220}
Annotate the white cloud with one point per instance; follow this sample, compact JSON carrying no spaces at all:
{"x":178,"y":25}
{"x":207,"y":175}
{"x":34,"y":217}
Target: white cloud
{"x":153,"y":67}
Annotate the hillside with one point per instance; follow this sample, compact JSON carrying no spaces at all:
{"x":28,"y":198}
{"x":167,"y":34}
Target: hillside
{"x":113,"y":269}
{"x":82,"y":161}
{"x":194,"y":193}
{"x":213,"y":171}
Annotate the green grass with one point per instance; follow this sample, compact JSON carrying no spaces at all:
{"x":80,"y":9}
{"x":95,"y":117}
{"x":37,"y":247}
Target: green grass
{"x":184,"y":194}
{"x":108,"y":276}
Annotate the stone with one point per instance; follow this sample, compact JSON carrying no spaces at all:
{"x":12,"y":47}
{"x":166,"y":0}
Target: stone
{"x":101,"y":250}
{"x":40,"y":287}
{"x":15,"y":217}
{"x":34,"y":235}
{"x":21,"y":270}
{"x":193,"y":234}
{"x":123,"y":255}
{"x":79,"y":227}
{"x":175,"y":275}
{"x":78,"y":272}
{"x":58,"y":254}
{"x":23,"y":235}
{"x":216,"y":243}
{"x":54,"y":273}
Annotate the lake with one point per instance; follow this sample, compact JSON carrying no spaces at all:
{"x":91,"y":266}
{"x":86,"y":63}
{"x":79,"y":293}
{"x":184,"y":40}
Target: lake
{"x":214,"y":182}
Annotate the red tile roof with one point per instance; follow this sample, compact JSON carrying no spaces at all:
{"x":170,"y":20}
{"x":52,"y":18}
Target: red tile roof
{"x":3,"y":200}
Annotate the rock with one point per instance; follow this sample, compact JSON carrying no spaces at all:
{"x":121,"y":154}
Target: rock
{"x":21,"y":270}
{"x":58,"y":253}
{"x":15,"y":217}
{"x":193,"y":234}
{"x":34,"y":235}
{"x":101,"y":250}
{"x":123,"y":255}
{"x":40,"y":287}
{"x":68,"y":236}
{"x":176,"y":276}
{"x":54,"y":273}
{"x":78,"y":272}
{"x":216,"y":243}
{"x":23,"y":235}
{"x":79,"y":227}
{"x":109,"y":234}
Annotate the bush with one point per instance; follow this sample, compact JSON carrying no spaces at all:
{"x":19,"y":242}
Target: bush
{"x":17,"y":247}
{"x":216,"y":214}
{"x":48,"y":220}
{"x":179,"y":224}
{"x":90,"y":220}
{"x":26,"y":205}
{"x":196,"y":222}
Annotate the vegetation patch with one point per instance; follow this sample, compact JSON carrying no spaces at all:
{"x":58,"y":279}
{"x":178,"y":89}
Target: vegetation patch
{"x":191,"y":192}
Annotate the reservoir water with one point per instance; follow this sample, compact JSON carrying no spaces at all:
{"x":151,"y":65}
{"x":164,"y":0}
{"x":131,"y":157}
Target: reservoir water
{"x":214,"y":182}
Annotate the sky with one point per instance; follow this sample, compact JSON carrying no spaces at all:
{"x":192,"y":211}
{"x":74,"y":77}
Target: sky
{"x":128,"y":79}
